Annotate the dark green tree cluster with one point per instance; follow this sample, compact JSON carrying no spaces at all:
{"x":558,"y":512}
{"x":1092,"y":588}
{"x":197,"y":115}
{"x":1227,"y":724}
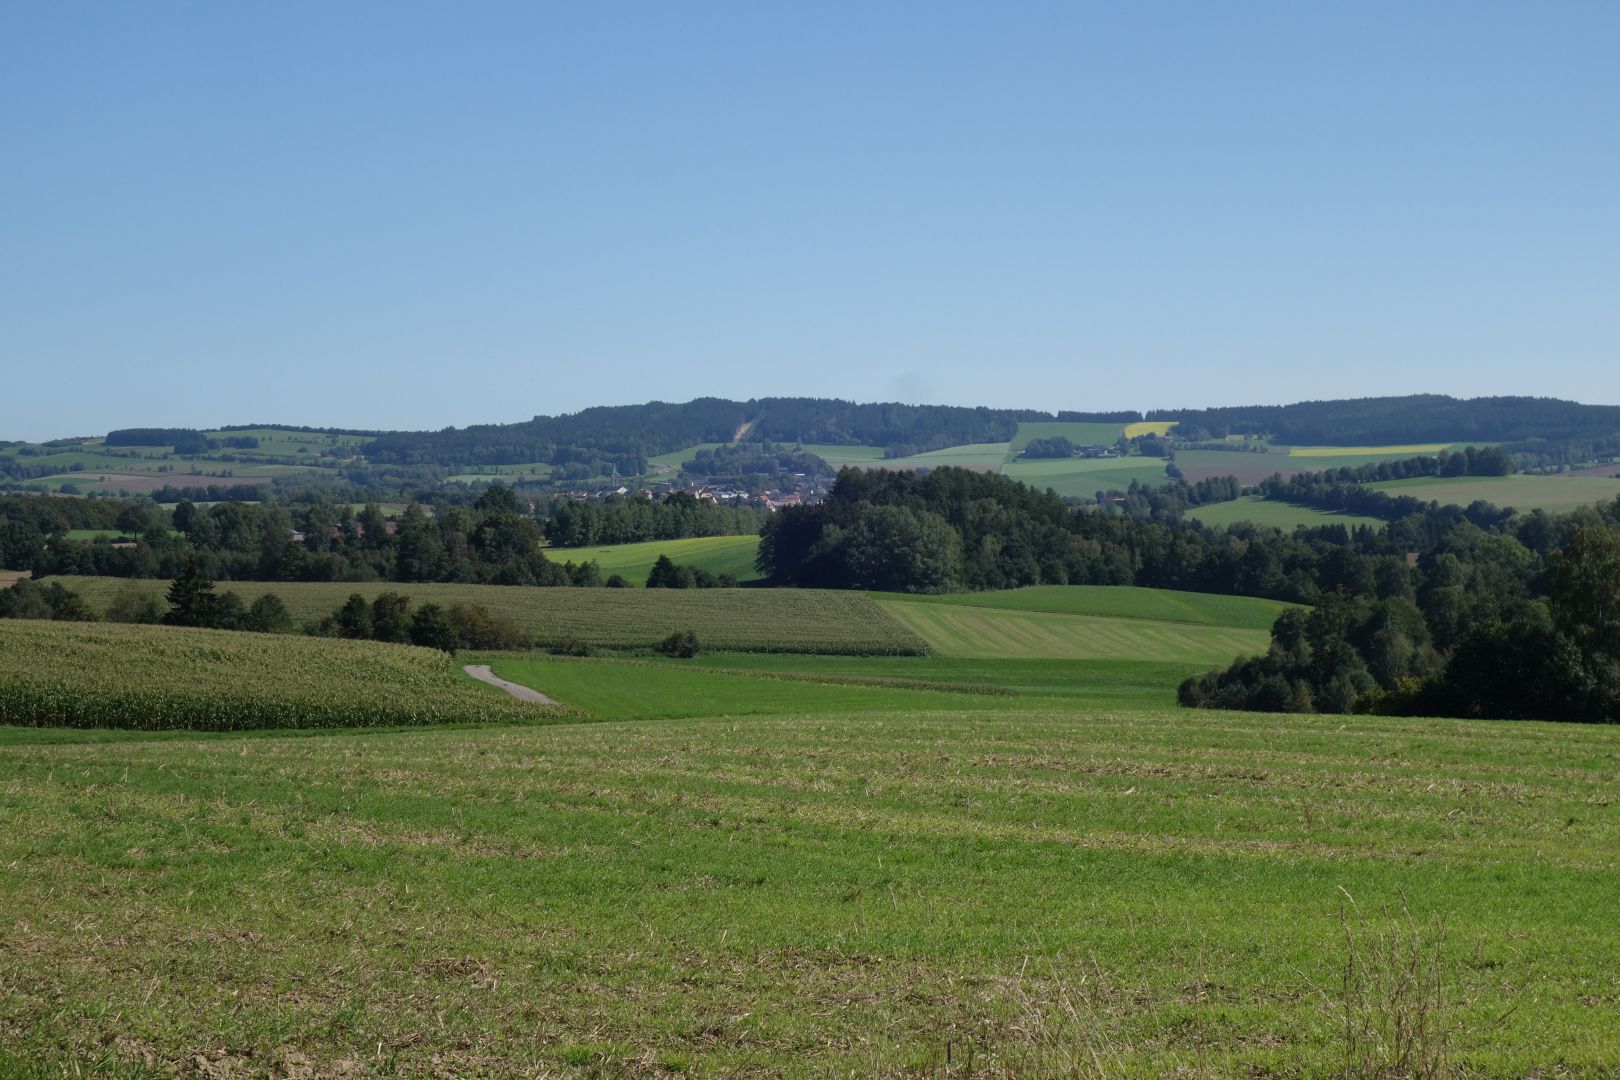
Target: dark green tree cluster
{"x":390,"y":617}
{"x":1169,"y":502}
{"x":1056,"y":447}
{"x":635,"y":520}
{"x":1417,"y":418}
{"x":493,"y":541}
{"x":38,"y":600}
{"x":666,"y":574}
{"x":193,"y":602}
{"x":753,"y":465}
{"x":1481,"y":641}
{"x":681,"y":645}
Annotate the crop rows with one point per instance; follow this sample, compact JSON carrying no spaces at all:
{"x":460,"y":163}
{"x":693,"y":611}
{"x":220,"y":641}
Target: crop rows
{"x":742,"y":620}
{"x":159,"y":678}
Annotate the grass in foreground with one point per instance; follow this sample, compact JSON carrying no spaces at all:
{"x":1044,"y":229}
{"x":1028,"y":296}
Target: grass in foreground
{"x":156,"y":678}
{"x":1048,"y":893}
{"x":747,"y":620}
{"x":746,"y":684}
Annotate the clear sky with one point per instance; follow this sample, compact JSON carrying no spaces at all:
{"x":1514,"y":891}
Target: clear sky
{"x":417,"y":215}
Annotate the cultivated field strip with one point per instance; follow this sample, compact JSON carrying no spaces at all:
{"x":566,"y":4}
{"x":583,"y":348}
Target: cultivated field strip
{"x":1123,"y":601}
{"x":740,"y":620}
{"x":966,"y":631}
{"x":97,"y":675}
{"x":805,"y":896}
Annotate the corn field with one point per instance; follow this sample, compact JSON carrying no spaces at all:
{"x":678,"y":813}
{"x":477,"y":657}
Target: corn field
{"x":155,"y":678}
{"x":733,"y":620}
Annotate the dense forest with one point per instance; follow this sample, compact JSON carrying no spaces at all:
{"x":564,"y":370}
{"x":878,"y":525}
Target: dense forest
{"x":631,"y":520}
{"x":491,"y":541}
{"x":626,"y":435}
{"x":1392,"y":608}
{"x":1413,"y":419}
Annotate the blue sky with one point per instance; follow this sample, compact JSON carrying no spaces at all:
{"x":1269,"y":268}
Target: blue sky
{"x":412,"y":215}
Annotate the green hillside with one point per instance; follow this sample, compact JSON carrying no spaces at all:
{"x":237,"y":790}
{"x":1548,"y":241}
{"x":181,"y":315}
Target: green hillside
{"x":1122,"y":601}
{"x":732,"y":555}
{"x":968,"y":630}
{"x":748,"y":620}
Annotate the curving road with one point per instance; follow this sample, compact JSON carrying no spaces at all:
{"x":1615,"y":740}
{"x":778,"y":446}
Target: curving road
{"x":482,"y":673}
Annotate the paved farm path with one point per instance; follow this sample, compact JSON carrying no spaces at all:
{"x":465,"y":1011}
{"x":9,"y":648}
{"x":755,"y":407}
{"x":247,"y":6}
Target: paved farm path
{"x":482,"y":673}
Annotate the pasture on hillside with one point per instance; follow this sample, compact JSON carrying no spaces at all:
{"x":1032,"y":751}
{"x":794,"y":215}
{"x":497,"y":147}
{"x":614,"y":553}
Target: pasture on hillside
{"x":942,"y":892}
{"x":1524,"y":493}
{"x":837,"y":457}
{"x":986,"y":457}
{"x":1077,"y":432}
{"x":746,"y":620}
{"x":1082,"y":478}
{"x":971,"y":630}
{"x":732,"y":555}
{"x":1262,"y":511}
{"x":1120,"y":601}
{"x":1251,"y":467}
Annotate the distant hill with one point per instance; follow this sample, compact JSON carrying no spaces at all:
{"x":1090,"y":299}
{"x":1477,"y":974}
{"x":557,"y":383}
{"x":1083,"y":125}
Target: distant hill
{"x":1381,"y":421}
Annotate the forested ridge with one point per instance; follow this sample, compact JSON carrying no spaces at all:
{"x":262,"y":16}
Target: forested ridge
{"x":1407,"y":420}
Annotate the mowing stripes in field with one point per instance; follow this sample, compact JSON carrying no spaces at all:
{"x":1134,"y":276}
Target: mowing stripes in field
{"x":742,"y":620}
{"x":966,"y":631}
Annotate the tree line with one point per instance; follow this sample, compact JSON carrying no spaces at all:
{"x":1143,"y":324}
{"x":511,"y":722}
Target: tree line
{"x":1543,"y":644}
{"x":1415,"y":418}
{"x":679,"y":516}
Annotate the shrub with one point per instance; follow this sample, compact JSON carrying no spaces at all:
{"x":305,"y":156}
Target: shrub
{"x":134,"y":605}
{"x":682,"y":644}
{"x":477,"y":628}
{"x":572,"y":646}
{"x":431,"y":628}
{"x":268,"y":615}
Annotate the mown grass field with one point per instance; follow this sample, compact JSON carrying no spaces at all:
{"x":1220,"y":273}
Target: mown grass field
{"x":1082,"y":478}
{"x":748,"y":620}
{"x":1253,"y":467}
{"x":506,"y":474}
{"x":672,"y":461}
{"x":732,"y":555}
{"x":983,"y":456}
{"x":1279,"y":514}
{"x":1554,"y":494}
{"x":976,"y":631}
{"x":59,"y":674}
{"x":839,"y":456}
{"x":943,"y":893}
{"x":1120,"y":601}
{"x":1079,"y":433}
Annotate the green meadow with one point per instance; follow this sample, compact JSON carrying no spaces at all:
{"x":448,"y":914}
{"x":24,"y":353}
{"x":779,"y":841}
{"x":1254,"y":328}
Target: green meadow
{"x":1119,"y":601}
{"x":1282,"y":515}
{"x":837,"y":456}
{"x":1079,"y":433}
{"x":1082,"y":478}
{"x":825,"y":890}
{"x":732,"y":555}
{"x":1554,"y":494}
{"x":746,"y":620}
{"x":965,"y":630}
{"x":1010,"y":857}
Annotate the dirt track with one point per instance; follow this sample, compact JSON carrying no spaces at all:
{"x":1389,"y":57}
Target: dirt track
{"x":482,"y":673}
